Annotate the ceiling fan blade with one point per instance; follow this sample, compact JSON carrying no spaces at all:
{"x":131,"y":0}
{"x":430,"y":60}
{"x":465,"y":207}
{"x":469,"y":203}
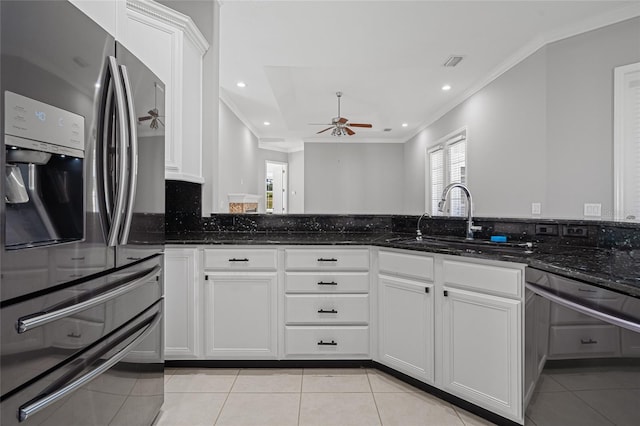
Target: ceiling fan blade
{"x":342,"y":120}
{"x":349,"y":131}
{"x":148,"y":117}
{"x":328,"y":128}
{"x":367,"y":125}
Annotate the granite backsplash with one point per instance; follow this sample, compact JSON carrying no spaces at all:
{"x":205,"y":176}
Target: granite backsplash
{"x":180,"y":226}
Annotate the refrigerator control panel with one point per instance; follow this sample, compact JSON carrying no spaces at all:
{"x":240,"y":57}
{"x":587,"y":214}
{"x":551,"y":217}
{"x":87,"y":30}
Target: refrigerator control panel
{"x":31,"y":119}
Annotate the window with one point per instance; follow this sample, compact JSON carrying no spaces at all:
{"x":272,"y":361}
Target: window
{"x":448,"y":164}
{"x":626,"y":142}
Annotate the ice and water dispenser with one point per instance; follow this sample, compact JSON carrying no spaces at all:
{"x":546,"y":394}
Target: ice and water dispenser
{"x":44,"y":190}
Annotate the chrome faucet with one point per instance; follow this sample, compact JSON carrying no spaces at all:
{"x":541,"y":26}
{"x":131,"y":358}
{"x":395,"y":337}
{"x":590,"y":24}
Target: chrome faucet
{"x":418,"y":231}
{"x":470,"y":226}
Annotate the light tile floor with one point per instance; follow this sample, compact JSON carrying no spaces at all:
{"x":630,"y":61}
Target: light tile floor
{"x":345,"y":397}
{"x":281,"y":397}
{"x":586,"y":396}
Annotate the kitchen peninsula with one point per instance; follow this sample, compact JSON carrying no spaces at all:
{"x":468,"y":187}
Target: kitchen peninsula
{"x":360,"y":289}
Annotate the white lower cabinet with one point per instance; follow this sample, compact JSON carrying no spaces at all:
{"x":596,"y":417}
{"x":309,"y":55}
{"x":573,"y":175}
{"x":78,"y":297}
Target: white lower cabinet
{"x":406,"y":313}
{"x":241,"y":316}
{"x":482,"y":344}
{"x":182,"y":303}
{"x":405,"y":321}
{"x":326,"y":303}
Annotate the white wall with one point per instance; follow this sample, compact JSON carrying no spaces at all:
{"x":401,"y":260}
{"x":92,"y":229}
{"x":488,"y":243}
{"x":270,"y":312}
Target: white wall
{"x":580,"y":116}
{"x":541,"y":132}
{"x":296,"y":182}
{"x":354,"y":178}
{"x":241,"y":168}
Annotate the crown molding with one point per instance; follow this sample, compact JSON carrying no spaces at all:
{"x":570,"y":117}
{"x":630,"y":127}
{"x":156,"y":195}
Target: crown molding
{"x":234,"y":109}
{"x":173,"y":18}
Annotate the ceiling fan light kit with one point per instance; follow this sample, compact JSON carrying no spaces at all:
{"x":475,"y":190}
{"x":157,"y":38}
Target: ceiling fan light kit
{"x":340,"y":125}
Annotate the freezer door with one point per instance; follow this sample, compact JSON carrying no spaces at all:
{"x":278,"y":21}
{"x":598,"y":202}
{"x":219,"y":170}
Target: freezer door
{"x":118,"y":381}
{"x":143,"y":229}
{"x":41,"y":332}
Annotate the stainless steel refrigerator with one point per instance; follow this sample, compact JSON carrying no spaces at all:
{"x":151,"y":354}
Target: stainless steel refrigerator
{"x":81,"y":223}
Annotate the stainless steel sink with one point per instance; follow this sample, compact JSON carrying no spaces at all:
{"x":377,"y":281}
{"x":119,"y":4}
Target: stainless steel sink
{"x":472,"y":246}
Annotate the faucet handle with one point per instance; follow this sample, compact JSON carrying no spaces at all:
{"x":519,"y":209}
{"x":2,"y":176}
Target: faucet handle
{"x":418,"y":235}
{"x":475,"y":228}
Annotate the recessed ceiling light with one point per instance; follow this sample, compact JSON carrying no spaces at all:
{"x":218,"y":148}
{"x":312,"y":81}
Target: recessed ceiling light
{"x":266,"y":123}
{"x":241,"y":84}
{"x":405,"y":124}
{"x":446,"y":87}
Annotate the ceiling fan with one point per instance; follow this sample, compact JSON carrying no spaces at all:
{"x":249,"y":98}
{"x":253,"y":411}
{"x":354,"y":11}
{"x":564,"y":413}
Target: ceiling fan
{"x":154,"y":114}
{"x":340,"y":125}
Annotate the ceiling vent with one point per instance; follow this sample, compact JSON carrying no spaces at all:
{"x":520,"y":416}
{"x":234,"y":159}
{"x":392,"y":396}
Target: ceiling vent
{"x":388,"y":129}
{"x":453,"y":61}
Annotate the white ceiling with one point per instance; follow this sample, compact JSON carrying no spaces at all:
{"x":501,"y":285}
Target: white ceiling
{"x":385,"y":56}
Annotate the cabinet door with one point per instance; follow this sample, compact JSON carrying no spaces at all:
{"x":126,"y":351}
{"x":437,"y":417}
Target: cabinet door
{"x":482,"y":355}
{"x":241,"y":315}
{"x":405,"y":318}
{"x":182,"y":313}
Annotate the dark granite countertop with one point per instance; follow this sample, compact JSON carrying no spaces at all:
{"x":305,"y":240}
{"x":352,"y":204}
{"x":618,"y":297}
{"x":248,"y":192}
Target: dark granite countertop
{"x":613,"y":268}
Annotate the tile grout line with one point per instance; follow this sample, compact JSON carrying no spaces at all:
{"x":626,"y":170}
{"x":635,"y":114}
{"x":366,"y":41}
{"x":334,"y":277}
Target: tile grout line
{"x":373,"y":396}
{"x":226,"y":398}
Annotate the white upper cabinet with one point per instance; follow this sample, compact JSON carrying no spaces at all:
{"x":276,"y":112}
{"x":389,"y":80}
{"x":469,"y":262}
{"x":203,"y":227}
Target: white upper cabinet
{"x":171,"y":45}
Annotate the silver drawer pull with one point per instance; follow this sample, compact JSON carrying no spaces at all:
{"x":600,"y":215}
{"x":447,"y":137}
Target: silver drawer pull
{"x":331,"y":311}
{"x":327,"y":283}
{"x":331,"y":343}
{"x":588,"y":342}
{"x":233,"y":259}
{"x":29,"y":322}
{"x":30,"y":409}
{"x":332,"y":259}
{"x":77,"y":258}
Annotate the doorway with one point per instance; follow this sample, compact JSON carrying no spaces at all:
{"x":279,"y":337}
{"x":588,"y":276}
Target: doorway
{"x":276,"y":184}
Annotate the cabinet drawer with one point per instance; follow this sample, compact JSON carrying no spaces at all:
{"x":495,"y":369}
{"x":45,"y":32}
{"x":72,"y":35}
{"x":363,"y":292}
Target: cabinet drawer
{"x":312,"y":282}
{"x":485,"y":278}
{"x":241,"y":259}
{"x":327,"y":309}
{"x":327,"y":259}
{"x":583,"y":341}
{"x":327,"y":341}
{"x":408,"y":265}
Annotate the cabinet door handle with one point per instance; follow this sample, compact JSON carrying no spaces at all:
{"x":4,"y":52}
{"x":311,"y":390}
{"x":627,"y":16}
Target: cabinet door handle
{"x":426,"y":289}
{"x":588,"y":342}
{"x":77,"y":258}
{"x":446,"y":293}
{"x":233,"y":259}
{"x":327,"y":283}
{"x":332,"y":311}
{"x":331,"y":343}
{"x":332,"y":259}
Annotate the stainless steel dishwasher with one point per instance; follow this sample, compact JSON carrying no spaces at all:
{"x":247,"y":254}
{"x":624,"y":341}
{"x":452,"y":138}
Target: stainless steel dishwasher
{"x":582,"y":346}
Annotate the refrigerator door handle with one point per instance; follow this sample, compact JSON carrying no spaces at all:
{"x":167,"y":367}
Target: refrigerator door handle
{"x":133,"y":157}
{"x":123,"y":142}
{"x":32,"y":408}
{"x":30,"y":322}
